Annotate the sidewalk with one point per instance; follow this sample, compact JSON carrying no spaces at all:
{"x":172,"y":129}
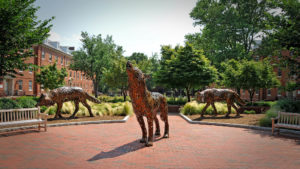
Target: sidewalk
{"x":117,"y":146}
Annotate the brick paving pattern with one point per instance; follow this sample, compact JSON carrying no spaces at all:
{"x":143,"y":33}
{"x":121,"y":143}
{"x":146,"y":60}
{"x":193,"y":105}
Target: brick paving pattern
{"x":117,"y":146}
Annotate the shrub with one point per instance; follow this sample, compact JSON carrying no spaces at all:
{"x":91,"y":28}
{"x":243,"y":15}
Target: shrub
{"x":249,"y":112}
{"x":114,"y":99}
{"x":51,"y":110}
{"x":43,"y":109}
{"x":193,"y":107}
{"x":260,"y":103}
{"x":9,"y":104}
{"x":177,"y":100}
{"x":272,"y":112}
{"x":289,"y":105}
{"x":26,"y":101}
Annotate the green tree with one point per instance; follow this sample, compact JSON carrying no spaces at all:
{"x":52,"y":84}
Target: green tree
{"x":20,"y":30}
{"x":50,"y":77}
{"x":231,"y":71}
{"x":284,"y":35}
{"x":94,"y":57}
{"x":185,"y":67}
{"x":249,"y":75}
{"x":116,"y":76}
{"x":229,"y":27}
{"x":138,"y":57}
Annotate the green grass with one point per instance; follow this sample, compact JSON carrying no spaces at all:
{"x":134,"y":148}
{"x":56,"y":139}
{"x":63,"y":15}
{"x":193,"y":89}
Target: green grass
{"x":193,"y":108}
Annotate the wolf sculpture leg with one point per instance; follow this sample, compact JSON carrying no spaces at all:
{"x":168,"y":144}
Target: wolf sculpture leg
{"x":150,"y":131}
{"x":142,"y":125}
{"x":58,"y":114}
{"x":204,"y":109}
{"x":215,"y":110}
{"x":157,"y":131}
{"x":237,"y":110}
{"x":88,"y":107}
{"x":164,"y":117}
{"x":76,"y":109}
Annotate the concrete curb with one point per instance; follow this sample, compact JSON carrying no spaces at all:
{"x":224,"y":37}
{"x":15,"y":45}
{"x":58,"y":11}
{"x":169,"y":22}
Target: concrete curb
{"x":238,"y":125}
{"x":67,"y":124}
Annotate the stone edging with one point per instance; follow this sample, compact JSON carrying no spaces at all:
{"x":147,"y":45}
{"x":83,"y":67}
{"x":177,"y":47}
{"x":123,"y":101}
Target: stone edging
{"x":67,"y":124}
{"x":237,"y":125}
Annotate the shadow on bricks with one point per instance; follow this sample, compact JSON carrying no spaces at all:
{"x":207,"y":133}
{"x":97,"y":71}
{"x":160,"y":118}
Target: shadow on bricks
{"x":18,"y":132}
{"x":119,"y":151}
{"x":281,"y":136}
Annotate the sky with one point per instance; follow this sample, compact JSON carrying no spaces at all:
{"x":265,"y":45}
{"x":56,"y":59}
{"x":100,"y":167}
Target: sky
{"x":136,"y":25}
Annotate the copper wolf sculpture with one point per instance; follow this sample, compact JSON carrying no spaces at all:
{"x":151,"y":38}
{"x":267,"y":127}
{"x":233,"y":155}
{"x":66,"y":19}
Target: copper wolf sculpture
{"x":147,"y":104}
{"x":64,"y":94}
{"x":211,"y":95}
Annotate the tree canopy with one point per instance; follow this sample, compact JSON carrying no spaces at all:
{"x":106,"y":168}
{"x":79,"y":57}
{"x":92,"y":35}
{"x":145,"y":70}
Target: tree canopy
{"x":50,"y":77}
{"x":229,"y":28}
{"x":184,"y":67}
{"x":249,"y":75}
{"x":95,"y":56}
{"x":20,"y":30}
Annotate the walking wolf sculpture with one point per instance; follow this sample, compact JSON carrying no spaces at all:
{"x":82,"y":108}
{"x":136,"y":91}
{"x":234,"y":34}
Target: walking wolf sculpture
{"x":64,"y":94}
{"x":211,"y":95}
{"x":146,"y":103}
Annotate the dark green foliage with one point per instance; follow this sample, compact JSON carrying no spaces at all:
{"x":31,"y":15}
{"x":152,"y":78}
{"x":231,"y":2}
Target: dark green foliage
{"x":52,"y":110}
{"x":26,"y":101}
{"x":289,"y":105}
{"x":8,"y":104}
{"x":43,"y":109}
{"x":50,"y":77}
{"x":260,"y":103}
{"x":20,"y":30}
{"x":184,"y":67}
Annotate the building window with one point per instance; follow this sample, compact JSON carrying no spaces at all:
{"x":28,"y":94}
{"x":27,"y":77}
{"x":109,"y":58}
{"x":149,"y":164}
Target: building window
{"x":50,"y":57}
{"x":269,"y":92}
{"x":279,"y":72}
{"x":56,"y":58}
{"x":43,"y":55}
{"x":30,"y":85}
{"x":20,"y":84}
{"x":291,"y":53}
{"x":278,"y":93}
{"x":257,"y":92}
{"x":256,"y":58}
{"x":77,"y":75}
{"x":243,"y":92}
{"x":66,"y":60}
{"x":62,"y":60}
{"x":81,"y":76}
{"x":74,"y":75}
{"x":70,"y":74}
{"x":30,"y":69}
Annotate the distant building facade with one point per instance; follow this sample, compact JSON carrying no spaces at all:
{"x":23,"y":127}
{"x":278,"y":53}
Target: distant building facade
{"x":46,"y":54}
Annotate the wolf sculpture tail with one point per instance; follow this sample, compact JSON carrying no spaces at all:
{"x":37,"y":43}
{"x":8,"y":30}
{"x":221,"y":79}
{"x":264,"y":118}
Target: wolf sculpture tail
{"x":92,"y":99}
{"x":237,"y":97}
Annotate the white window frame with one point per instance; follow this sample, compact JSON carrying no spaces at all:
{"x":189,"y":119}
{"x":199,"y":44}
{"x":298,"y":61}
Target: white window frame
{"x":30,"y":86}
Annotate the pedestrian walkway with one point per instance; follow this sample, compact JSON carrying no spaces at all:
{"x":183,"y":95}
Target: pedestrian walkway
{"x":117,"y":146}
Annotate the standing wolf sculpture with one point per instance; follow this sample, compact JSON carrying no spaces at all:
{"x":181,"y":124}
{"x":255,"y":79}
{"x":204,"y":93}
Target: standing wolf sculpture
{"x":147,"y":104}
{"x":211,"y":95}
{"x":64,"y":94}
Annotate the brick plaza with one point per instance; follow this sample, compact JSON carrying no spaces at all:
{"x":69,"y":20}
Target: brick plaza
{"x":117,"y":145}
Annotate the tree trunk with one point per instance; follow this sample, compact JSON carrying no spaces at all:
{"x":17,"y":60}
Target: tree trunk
{"x":124,"y":94}
{"x":188,"y":93}
{"x":95,"y":81}
{"x":251,"y":94}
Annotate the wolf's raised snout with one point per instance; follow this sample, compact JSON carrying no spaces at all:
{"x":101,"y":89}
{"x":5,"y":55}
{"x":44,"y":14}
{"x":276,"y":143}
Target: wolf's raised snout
{"x":128,"y":65}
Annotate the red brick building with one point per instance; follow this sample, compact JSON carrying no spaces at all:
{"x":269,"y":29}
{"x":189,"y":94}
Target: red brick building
{"x":274,"y":93}
{"x":47,"y":53}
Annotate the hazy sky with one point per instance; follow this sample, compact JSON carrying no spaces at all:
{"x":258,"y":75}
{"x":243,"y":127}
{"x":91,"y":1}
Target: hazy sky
{"x":137,"y":25}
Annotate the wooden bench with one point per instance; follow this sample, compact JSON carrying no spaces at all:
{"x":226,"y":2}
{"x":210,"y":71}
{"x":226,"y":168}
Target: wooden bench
{"x":286,"y":120}
{"x":18,"y":117}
